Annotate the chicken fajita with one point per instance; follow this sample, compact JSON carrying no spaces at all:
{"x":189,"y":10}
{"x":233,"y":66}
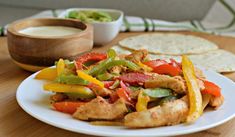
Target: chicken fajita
{"x":106,"y":88}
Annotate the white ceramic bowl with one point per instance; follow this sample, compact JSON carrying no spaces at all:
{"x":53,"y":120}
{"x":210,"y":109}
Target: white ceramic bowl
{"x":104,"y":32}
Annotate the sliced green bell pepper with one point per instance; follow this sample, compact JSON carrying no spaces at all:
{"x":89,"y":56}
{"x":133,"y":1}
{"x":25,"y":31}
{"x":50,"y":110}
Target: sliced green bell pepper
{"x":108,"y":63}
{"x":74,"y":96}
{"x":115,"y":84}
{"x":126,"y":63}
{"x":95,"y":70}
{"x":134,"y":88}
{"x":157,"y":92}
{"x":71,"y":79}
{"x":105,"y":76}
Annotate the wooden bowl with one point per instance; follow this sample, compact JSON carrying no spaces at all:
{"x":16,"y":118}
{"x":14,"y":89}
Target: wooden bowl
{"x":33,"y":52}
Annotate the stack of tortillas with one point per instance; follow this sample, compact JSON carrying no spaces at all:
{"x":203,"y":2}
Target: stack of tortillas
{"x":165,"y":46}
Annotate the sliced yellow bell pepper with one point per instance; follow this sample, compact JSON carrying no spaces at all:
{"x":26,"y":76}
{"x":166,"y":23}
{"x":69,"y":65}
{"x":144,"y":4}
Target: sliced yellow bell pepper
{"x":145,"y":67}
{"x":89,"y":78}
{"x":205,"y":100}
{"x":47,"y":74}
{"x":80,"y":91}
{"x":142,"y":102}
{"x":194,"y":94}
{"x":60,"y":67}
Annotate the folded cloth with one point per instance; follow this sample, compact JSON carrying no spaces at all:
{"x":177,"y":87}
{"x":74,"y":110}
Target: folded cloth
{"x":219,"y":20}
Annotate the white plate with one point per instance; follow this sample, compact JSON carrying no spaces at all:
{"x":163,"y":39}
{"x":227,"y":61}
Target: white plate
{"x":35,"y":101}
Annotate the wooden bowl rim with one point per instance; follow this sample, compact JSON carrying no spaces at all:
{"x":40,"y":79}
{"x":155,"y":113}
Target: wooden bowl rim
{"x":12,"y":30}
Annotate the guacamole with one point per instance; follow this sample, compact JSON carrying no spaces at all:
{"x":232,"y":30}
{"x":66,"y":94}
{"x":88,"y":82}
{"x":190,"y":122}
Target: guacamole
{"x":90,"y":16}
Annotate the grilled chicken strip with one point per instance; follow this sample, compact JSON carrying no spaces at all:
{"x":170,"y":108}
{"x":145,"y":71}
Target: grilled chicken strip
{"x":100,"y":91}
{"x":169,"y":113}
{"x":216,"y":102}
{"x":100,"y":109}
{"x":137,"y":56}
{"x":176,"y":83}
{"x":116,"y":70}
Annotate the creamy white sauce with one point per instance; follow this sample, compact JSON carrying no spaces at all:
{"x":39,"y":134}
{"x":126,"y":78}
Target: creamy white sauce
{"x":50,"y":31}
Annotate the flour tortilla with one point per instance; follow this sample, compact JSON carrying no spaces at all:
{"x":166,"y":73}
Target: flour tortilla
{"x":120,"y":50}
{"x":170,"y":44}
{"x":217,"y":60}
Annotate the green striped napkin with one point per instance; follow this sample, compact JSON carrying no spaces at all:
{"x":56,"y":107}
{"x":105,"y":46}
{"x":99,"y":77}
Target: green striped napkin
{"x":219,"y":20}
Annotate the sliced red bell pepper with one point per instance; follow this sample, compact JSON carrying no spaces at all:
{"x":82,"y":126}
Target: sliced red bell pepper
{"x":123,"y":94}
{"x":134,"y":78}
{"x":162,"y":67}
{"x":175,"y":63}
{"x":67,"y":106}
{"x":123,"y":86}
{"x":89,"y":57}
{"x":154,"y":63}
{"x":107,"y":84}
{"x":211,"y":88}
{"x":113,"y":97}
{"x":167,"y":69}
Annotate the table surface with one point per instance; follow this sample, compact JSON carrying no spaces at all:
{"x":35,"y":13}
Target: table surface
{"x":14,"y":122}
